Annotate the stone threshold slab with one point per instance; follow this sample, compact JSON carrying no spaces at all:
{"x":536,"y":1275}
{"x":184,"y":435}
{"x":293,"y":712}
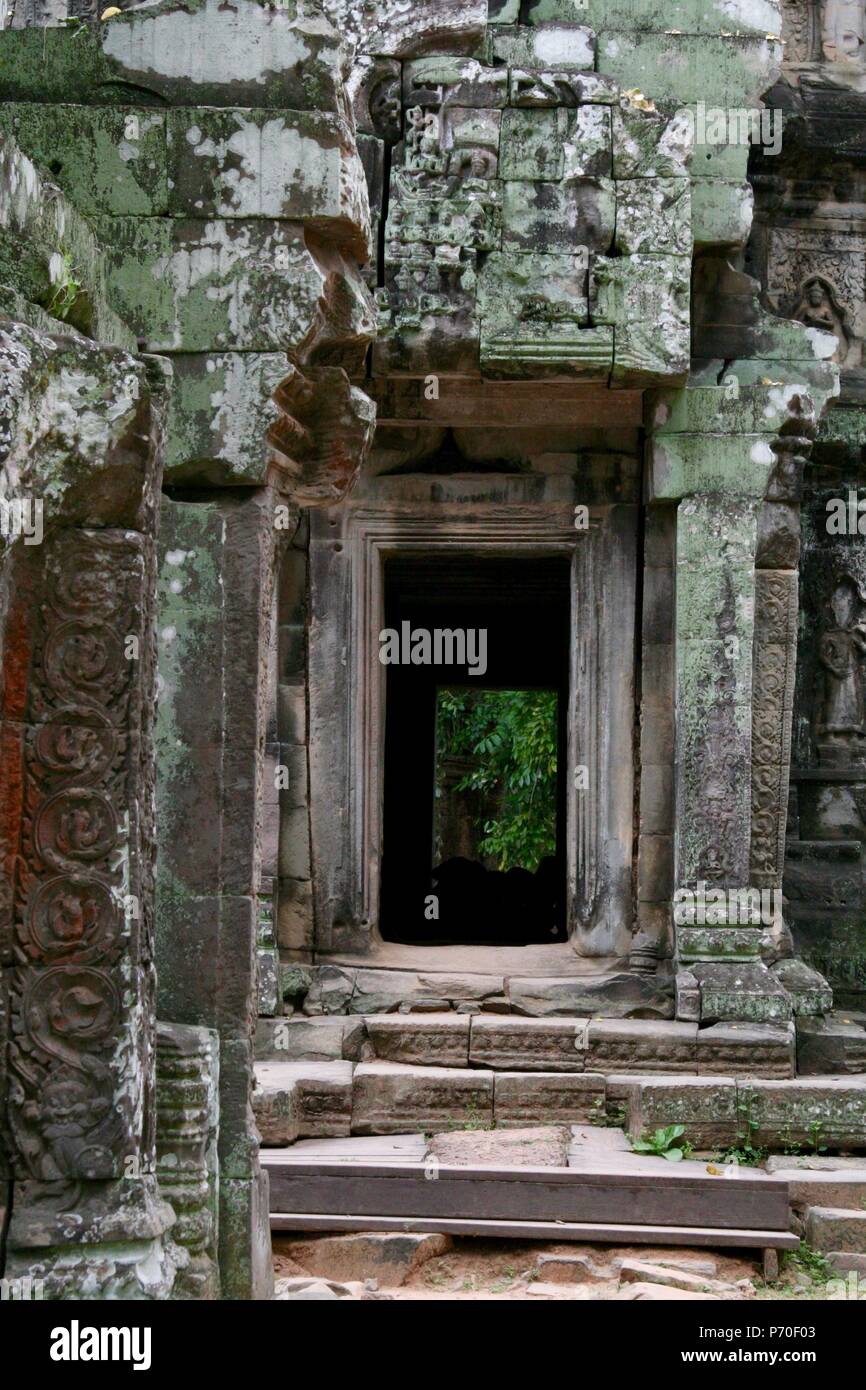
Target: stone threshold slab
{"x":494,"y":961}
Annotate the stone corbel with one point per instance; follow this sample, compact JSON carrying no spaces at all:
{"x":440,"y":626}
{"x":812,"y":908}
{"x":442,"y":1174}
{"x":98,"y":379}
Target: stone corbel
{"x":323,"y":435}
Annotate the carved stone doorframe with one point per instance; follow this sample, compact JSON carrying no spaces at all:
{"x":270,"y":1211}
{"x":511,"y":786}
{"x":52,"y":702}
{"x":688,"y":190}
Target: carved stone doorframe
{"x":512,"y":516}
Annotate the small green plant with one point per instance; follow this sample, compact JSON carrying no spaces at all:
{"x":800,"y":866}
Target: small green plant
{"x":812,"y":1146}
{"x":473,"y":1120}
{"x":745,"y":1150}
{"x":815,"y":1133}
{"x":664,"y":1143}
{"x":509,"y":738}
{"x":792,"y":1148}
{"x":78,"y":26}
{"x":808,"y":1261}
{"x":66,"y":290}
{"x":747,"y":1157}
{"x":606,"y":1115}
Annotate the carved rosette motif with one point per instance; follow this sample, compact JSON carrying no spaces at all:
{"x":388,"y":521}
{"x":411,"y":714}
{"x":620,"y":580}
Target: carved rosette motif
{"x":81,"y":942}
{"x":774,"y":663}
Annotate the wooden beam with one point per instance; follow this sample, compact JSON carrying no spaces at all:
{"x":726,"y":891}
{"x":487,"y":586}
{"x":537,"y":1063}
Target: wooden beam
{"x":570,"y":1195}
{"x":590,"y":1232}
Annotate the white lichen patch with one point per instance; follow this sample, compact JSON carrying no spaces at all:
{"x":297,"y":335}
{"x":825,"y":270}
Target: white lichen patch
{"x":65,"y":404}
{"x":556,"y":46}
{"x":823,"y":344}
{"x":259,"y":277}
{"x":750,"y":16}
{"x":781,"y":399}
{"x":761,"y":453}
{"x":268,"y":167}
{"x":208,"y":45}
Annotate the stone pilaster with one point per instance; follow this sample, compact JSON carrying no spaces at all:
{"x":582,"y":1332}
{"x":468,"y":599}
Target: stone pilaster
{"x":718,"y":921}
{"x":714,"y":629}
{"x":217,"y":566}
{"x":76,"y":823}
{"x":728,"y":449}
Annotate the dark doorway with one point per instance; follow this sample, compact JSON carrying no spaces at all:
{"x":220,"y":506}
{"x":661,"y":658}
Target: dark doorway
{"x":466,"y":872}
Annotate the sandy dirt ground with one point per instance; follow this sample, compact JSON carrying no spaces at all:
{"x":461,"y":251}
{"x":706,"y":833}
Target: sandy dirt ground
{"x":474,"y":1269}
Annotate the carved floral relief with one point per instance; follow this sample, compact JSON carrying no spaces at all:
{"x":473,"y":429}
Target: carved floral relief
{"x":75,"y":1082}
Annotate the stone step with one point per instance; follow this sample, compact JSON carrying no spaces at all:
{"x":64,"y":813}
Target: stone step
{"x":514,"y":1043}
{"x":635,"y":1271}
{"x":301,"y":1099}
{"x":330,"y":1038}
{"x":295,"y":1100}
{"x":836,"y":1229}
{"x":722,"y":1111}
{"x":355,"y":990}
{"x":751,"y":991}
{"x":390,"y":1098}
{"x":845,"y":1189}
{"x":830,"y":1046}
{"x":438,"y":1040}
{"x":318,"y":1094}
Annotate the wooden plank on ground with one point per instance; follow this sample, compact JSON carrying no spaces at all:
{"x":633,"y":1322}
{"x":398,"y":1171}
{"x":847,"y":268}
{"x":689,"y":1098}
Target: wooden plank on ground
{"x":527,"y":1194}
{"x":590,"y":1232}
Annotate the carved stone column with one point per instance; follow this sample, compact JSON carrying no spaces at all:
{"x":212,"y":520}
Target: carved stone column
{"x":187,"y":1164}
{"x":82,"y":436}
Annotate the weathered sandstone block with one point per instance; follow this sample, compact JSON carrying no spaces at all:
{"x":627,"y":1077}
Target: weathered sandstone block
{"x":528,"y":1044}
{"x":392,"y":1099}
{"x":555,"y":1098}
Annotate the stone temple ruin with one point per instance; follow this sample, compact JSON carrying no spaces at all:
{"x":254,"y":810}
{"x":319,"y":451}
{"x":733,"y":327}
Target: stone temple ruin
{"x":321,"y":317}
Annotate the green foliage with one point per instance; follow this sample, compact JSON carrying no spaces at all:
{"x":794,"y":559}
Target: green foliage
{"x":810,"y":1262}
{"x":66,"y":291}
{"x":812,"y":1146}
{"x":512,"y":735}
{"x":606,"y":1114}
{"x":746,"y":1156}
{"x":663,"y":1143}
{"x":745,"y":1150}
{"x":474,"y":1119}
